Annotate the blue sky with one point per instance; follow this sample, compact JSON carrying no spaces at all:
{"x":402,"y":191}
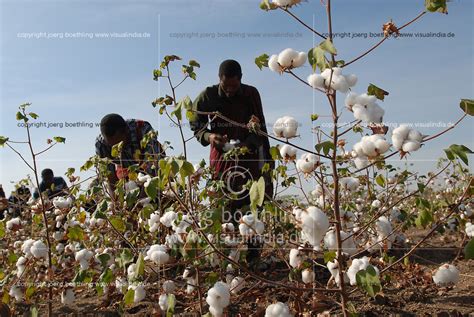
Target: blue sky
{"x":82,"y":79}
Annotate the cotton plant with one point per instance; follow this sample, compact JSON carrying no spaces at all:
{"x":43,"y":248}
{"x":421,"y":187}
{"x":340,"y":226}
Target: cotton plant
{"x":84,"y":257}
{"x":295,"y":258}
{"x":278,"y":309}
{"x":250,"y":226}
{"x":406,"y":139}
{"x":285,"y":127}
{"x":369,"y":147}
{"x":307,"y":163}
{"x":218,"y":298}
{"x":358,"y":265}
{"x":314,"y":225}
{"x":62,"y":202}
{"x":287,"y":152}
{"x":286,"y":59}
{"x":339,"y":82}
{"x":445,"y":275}
{"x":14,"y":224}
{"x":158,"y":254}
{"x":364,"y":107}
{"x":333,"y":267}
{"x":349,"y":184}
{"x":383,"y":237}
{"x":348,"y":245}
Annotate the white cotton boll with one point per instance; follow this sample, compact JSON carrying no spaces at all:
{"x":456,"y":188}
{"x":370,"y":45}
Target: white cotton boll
{"x":154,"y":222}
{"x":402,"y":131}
{"x":307,"y":163}
{"x":218,"y":297}
{"x":314,"y":224}
{"x":376,"y":203}
{"x":13,"y":224}
{"x":283,"y":3}
{"x":351,"y":80}
{"x":397,"y":141}
{"x":308,"y":276}
{"x":67,"y":297}
{"x":358,"y":149}
{"x":470,"y":230}
{"x":411,"y":146}
{"x":228,"y":227}
{"x":358,"y":265}
{"x":333,"y":268}
{"x":163,"y":302}
{"x":273,"y":64}
{"x":26,"y":247}
{"x":288,"y":153}
{"x":300,"y":59}
{"x":382,"y":146}
{"x":168,"y":218}
{"x":62,"y":203}
{"x":278,"y":309}
{"x":316,"y":81}
{"x":351,"y":100}
{"x":297,"y":212}
{"x":58,"y":235}
{"x":237,"y":284}
{"x":375,"y":113}
{"x":16,"y":292}
{"x":83,"y":257}
{"x":169,"y":286}
{"x":130,"y":185}
{"x":142,"y":178}
{"x":20,"y":266}
{"x":369,"y":148}
{"x":336,"y":71}
{"x":286,"y":57}
{"x":278,"y":127}
{"x":140,"y":292}
{"x":360,"y":113}
{"x":339,"y":83}
{"x":295,"y":258}
{"x":186,"y":221}
{"x":39,"y":250}
{"x":349,"y":183}
{"x":348,"y":244}
{"x":446,"y":274}
{"x":415,"y":136}
{"x":290,"y":126}
{"x":157,"y":254}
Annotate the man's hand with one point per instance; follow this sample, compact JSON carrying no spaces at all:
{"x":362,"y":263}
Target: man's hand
{"x":217,"y":140}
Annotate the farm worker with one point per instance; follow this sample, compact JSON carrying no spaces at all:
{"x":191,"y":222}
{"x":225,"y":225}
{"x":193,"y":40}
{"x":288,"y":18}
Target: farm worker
{"x":3,"y":202}
{"x":240,"y":103}
{"x":51,"y":185}
{"x":115,"y":129}
{"x":18,"y":201}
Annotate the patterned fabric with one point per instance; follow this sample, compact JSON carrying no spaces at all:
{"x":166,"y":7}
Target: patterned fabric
{"x":131,"y":152}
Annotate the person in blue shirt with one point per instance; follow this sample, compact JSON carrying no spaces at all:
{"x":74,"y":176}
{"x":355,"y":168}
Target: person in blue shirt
{"x":51,"y":185}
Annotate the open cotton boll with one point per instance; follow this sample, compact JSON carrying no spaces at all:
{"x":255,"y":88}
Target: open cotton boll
{"x":168,"y":218}
{"x":62,"y":203}
{"x":286,"y":57}
{"x":361,"y":162}
{"x":358,"y":265}
{"x":411,"y":146}
{"x":157,"y":254}
{"x":369,"y":148}
{"x":218,"y":298}
{"x":308,"y":276}
{"x":300,"y":59}
{"x":273,"y":64}
{"x":13,"y":224}
{"x":295,"y":258}
{"x":16,"y":292}
{"x":415,"y":136}
{"x":169,"y":286}
{"x":139,"y":294}
{"x":316,"y":81}
{"x":351,"y":100}
{"x":185,"y":222}
{"x":402,"y":131}
{"x":470,"y":230}
{"x":20,"y":266}
{"x":58,"y":235}
{"x":333,"y":268}
{"x":163,"y":302}
{"x":288,"y":153}
{"x":307,"y":163}
{"x":250,"y":226}
{"x":154,"y":222}
{"x":348,"y":244}
{"x":278,"y":309}
{"x":351,"y":80}
{"x":237,"y":284}
{"x":397,"y":141}
{"x":447,"y":274}
{"x":285,"y":127}
{"x":314,"y":224}
{"x":349,"y":183}
{"x":382,"y":146}
{"x":39,"y":250}
{"x":83,"y":257}
{"x":67,"y":297}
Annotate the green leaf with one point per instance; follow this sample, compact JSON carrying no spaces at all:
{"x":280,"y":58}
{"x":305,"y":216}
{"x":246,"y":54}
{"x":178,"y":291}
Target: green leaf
{"x":171,"y":304}
{"x":328,"y":46}
{"x":34,"y":311}
{"x":379,"y":93}
{"x":275,"y":153}
{"x":116,"y":149}
{"x":33,"y":115}
{"x":369,"y":281}
{"x":329,"y":256}
{"x":325,"y":146}
{"x":380,"y":180}
{"x":314,"y":117}
{"x":194,"y":63}
{"x":128,"y":298}
{"x":75,"y":233}
{"x":2,"y":229}
{"x":467,"y":105}
{"x":3,"y":140}
{"x":424,"y":218}
{"x":261,"y":61}
{"x":140,"y":266}
{"x":126,"y":256}
{"x":267,"y":5}
{"x":103,"y":258}
{"x":20,"y":116}
{"x":118,"y":223}
{"x":152,"y":189}
{"x":177,"y":112}
{"x":316,"y":58}
{"x":469,"y":250}
{"x":257,"y":193}
{"x":59,"y":139}
{"x":157,"y":73}
{"x":460,"y":151}
{"x":436,"y":6}
{"x":421,"y":187}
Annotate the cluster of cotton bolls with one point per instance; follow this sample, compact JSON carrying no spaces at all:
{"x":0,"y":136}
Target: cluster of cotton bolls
{"x":339,"y":81}
{"x":154,"y":222}
{"x":384,"y":237}
{"x":307,"y":163}
{"x":278,"y":309}
{"x":406,"y":139}
{"x":358,"y":265}
{"x":251,"y":225}
{"x":84,"y":257}
{"x":369,"y":147}
{"x":447,"y":274}
{"x":218,"y":298}
{"x":168,"y":287}
{"x":287,"y":59}
{"x":14,"y":224}
{"x":67,"y":296}
{"x":469,"y":230}
{"x":364,"y":107}
{"x":314,"y":224}
{"x":287,"y":152}
{"x":157,"y":254}
{"x":62,"y":202}
{"x":34,"y":248}
{"x":348,"y":245}
{"x":285,"y":127}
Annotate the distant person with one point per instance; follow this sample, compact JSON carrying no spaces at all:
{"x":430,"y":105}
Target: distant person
{"x":18,"y":201}
{"x":115,"y":129}
{"x":50,"y":185}
{"x":3,"y":203}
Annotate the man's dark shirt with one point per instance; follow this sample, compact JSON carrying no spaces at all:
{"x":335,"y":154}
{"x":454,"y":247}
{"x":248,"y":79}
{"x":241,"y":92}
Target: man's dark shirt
{"x":54,"y":190}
